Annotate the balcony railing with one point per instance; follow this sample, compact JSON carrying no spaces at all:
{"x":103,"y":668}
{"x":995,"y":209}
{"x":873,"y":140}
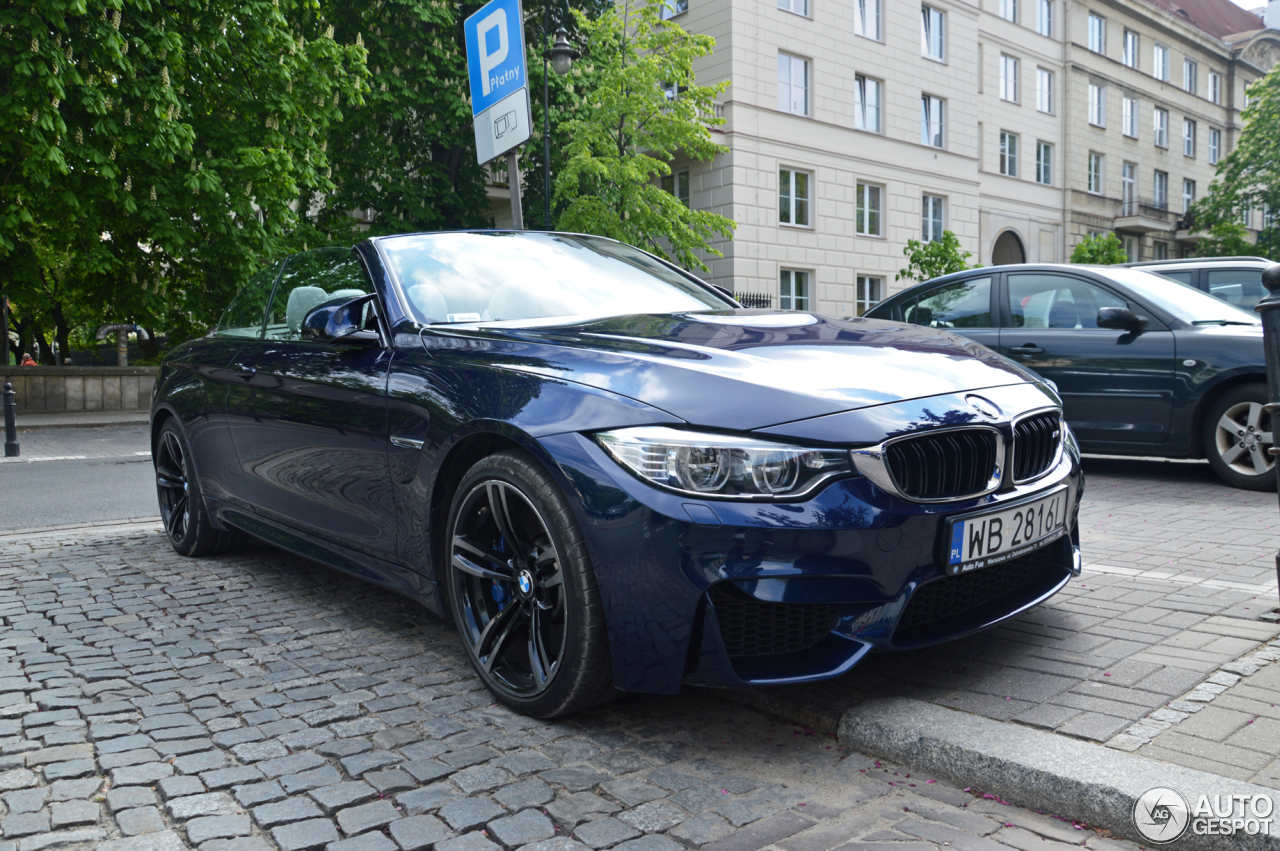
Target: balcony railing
{"x":1153,"y":208}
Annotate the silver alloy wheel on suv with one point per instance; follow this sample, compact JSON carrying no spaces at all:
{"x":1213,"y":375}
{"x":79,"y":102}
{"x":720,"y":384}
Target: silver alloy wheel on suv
{"x":1238,"y":438}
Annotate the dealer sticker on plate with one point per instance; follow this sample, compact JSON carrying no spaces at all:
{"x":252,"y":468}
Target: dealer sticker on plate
{"x":984,"y":540}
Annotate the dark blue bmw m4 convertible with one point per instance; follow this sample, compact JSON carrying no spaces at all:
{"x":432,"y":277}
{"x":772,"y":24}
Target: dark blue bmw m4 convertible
{"x":611,"y":475}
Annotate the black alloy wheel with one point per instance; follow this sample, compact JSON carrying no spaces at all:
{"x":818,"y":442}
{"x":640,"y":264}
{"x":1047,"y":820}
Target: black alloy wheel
{"x":182,"y":510}
{"x":523,"y":594}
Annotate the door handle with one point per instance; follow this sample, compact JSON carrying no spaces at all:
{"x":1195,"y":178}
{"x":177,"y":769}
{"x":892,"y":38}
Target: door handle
{"x":245,"y":372}
{"x":1027,"y":349}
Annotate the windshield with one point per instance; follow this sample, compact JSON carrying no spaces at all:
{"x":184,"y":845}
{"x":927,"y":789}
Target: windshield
{"x":1182,"y":301}
{"x":483,"y":277}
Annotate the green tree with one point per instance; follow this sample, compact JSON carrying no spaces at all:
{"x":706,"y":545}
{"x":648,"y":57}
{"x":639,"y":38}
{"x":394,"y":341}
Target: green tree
{"x":928,"y":260}
{"x":176,"y":141}
{"x":408,"y":152}
{"x":1225,"y":239}
{"x":1100,"y":249}
{"x":645,"y":107}
{"x":1249,"y":177}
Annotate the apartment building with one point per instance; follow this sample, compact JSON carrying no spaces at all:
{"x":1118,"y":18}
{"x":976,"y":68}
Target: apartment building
{"x":1020,"y":125}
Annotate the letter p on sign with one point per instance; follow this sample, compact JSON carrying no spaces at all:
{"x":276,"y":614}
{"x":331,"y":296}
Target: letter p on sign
{"x":497,"y":20}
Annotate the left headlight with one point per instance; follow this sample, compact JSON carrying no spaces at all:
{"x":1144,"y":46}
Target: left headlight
{"x":722,"y":466}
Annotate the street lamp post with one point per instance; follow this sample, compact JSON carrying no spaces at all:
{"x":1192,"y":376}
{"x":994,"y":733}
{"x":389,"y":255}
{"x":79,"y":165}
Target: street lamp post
{"x":561,"y":56}
{"x":1269,"y":309}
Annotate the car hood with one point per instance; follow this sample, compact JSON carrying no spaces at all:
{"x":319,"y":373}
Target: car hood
{"x":739,"y":369}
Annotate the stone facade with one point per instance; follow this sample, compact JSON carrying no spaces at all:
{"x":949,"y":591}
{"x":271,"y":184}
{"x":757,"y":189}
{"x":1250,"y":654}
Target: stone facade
{"x":45,"y":389}
{"x":1001,"y":206}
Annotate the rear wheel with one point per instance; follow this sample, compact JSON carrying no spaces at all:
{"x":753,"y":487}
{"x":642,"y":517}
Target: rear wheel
{"x":523,"y":592}
{"x":1237,"y":438}
{"x":186,"y":522}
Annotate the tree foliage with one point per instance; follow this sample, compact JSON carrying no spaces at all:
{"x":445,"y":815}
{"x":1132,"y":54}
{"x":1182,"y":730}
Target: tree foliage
{"x":1224,"y":239}
{"x":1100,"y":249}
{"x":170,"y":143}
{"x":1248,"y":178}
{"x":933,"y":259}
{"x":407,"y":154}
{"x":617,"y":154}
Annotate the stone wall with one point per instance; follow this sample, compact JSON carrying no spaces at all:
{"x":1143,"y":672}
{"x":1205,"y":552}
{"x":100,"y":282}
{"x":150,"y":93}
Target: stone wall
{"x":46,"y":389}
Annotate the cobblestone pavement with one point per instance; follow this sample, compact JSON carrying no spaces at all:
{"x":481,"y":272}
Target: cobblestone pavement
{"x":1178,"y":569}
{"x":255,"y":701}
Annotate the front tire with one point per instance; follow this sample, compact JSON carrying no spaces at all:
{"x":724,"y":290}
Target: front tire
{"x":1237,"y":436}
{"x":523,"y":592}
{"x":186,"y":522}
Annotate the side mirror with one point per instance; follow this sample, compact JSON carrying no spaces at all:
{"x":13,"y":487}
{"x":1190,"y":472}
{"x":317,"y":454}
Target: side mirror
{"x":1120,"y":318}
{"x":342,"y":320}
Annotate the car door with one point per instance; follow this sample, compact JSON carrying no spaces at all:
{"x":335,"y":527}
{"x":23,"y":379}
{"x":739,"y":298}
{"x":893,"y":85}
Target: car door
{"x":309,"y":419}
{"x":964,"y":307}
{"x":1116,"y":385}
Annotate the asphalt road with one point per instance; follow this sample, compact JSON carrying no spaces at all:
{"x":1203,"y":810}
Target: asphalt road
{"x":67,"y":476}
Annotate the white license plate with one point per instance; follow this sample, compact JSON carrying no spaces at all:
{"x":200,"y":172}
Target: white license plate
{"x":984,"y":540}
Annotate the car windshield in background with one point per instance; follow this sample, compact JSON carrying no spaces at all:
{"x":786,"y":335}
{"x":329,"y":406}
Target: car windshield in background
{"x":482,"y":277}
{"x":1184,"y":302}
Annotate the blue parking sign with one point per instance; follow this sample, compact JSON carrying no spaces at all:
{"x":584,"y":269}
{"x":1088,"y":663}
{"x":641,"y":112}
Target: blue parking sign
{"x":495,"y":53}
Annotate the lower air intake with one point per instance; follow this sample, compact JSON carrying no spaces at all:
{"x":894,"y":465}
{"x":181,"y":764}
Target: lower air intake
{"x":751,"y":627}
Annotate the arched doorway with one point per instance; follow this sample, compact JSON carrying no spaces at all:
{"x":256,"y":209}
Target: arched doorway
{"x":1008,"y":249}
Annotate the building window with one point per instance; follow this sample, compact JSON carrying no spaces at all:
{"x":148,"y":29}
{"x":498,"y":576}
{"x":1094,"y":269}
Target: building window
{"x":793,"y":197}
{"x":866,"y":104}
{"x":1215,"y":146}
{"x":1160,"y":62}
{"x":1188,"y":137}
{"x":870,"y":291}
{"x":1097,"y":105}
{"x":798,"y":7}
{"x":1246,"y":216}
{"x":793,"y":290}
{"x":678,"y":185}
{"x":1044,"y":18}
{"x":1160,"y":190}
{"x":1131,"y":248}
{"x":1159,"y":250}
{"x":1044,"y":90}
{"x":1008,"y":153}
{"x":1044,"y":163}
{"x":1129,"y":117}
{"x":793,"y":84}
{"x":1188,"y":194}
{"x":1095,"y":173}
{"x":1097,"y":33}
{"x":933,"y":34}
{"x":1008,"y":78}
{"x":1129,"y":190}
{"x":866,"y":19}
{"x":931,"y":121}
{"x":1130,"y":56}
{"x":1215,"y":87}
{"x":1160,"y":124}
{"x":870,"y":210}
{"x":1190,"y":76}
{"x":930,"y":218}
{"x":1009,"y":10}
{"x":671,"y":8}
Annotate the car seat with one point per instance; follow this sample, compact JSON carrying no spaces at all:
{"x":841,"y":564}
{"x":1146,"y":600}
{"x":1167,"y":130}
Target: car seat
{"x":1063,"y":314}
{"x":301,"y":301}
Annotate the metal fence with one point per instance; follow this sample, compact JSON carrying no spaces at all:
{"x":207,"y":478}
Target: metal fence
{"x":754,"y":299}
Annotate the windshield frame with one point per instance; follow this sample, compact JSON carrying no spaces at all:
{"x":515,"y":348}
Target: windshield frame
{"x":394,"y":284}
{"x":1135,"y":282}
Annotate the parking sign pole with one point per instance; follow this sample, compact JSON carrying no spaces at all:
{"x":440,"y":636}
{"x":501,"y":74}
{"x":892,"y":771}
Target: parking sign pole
{"x":513,"y":180}
{"x":1269,"y":309}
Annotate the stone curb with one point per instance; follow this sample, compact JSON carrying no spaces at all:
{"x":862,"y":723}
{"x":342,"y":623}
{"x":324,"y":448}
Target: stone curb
{"x":1036,"y":769}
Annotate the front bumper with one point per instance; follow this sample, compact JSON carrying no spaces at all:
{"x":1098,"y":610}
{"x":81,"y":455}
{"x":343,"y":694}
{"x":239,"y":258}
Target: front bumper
{"x":721,"y":593}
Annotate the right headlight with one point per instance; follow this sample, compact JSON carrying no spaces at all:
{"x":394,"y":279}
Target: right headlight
{"x":722,"y":466}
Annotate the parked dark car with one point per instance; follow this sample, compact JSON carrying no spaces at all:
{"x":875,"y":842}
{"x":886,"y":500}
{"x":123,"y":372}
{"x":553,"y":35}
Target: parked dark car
{"x":1144,"y":365}
{"x":612,"y":475}
{"x":1237,"y":280}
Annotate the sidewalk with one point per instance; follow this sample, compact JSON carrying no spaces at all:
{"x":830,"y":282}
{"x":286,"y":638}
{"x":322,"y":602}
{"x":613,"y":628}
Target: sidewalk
{"x":80,"y":419}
